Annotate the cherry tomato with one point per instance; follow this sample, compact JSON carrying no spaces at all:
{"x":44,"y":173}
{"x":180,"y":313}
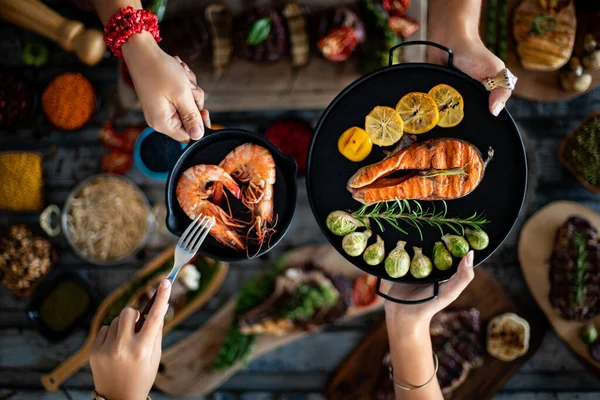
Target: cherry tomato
{"x":116,"y":162}
{"x":338,"y":44}
{"x":363,"y":293}
{"x":396,"y":7}
{"x":403,"y":26}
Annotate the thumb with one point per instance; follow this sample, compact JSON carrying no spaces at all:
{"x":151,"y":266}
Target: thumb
{"x":498,"y":98}
{"x":450,"y":290}
{"x":190,"y":116}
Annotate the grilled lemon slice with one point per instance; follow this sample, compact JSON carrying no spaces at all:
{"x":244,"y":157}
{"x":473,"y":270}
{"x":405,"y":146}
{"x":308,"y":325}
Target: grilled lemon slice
{"x":450,"y":105}
{"x":384,"y":125}
{"x":419,"y":112}
{"x":507,"y":337}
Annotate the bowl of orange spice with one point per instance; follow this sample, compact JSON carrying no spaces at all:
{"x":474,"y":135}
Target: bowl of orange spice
{"x":69,"y":101}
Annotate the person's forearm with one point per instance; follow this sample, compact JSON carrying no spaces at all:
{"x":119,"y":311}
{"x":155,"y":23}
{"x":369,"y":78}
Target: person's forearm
{"x":453,"y":19}
{"x":412,"y":360}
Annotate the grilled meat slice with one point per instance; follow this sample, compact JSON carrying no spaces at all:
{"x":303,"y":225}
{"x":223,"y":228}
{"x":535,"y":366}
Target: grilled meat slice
{"x":456,"y":340}
{"x":285,"y":311}
{"x":547,"y":50}
{"x":438,"y":169}
{"x":575,"y":270}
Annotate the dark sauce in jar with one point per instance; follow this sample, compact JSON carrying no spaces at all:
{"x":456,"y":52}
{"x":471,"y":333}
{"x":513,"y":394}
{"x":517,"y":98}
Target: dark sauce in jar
{"x":159,"y":152}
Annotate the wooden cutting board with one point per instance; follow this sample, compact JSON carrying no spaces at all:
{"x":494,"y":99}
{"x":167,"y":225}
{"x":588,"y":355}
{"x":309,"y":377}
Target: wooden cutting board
{"x":184,"y":368}
{"x":71,"y":365}
{"x":535,"y":248}
{"x":542,"y":85}
{"x":353,"y":380}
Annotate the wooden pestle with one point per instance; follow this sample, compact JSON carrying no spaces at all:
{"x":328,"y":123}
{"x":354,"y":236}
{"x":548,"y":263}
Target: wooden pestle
{"x":70,"y":35}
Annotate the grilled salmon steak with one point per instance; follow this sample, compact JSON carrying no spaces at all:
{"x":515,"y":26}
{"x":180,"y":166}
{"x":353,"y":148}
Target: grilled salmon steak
{"x":437,"y":169}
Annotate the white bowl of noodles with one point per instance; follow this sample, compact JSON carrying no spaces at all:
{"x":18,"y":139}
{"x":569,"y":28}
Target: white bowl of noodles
{"x":107,"y":219}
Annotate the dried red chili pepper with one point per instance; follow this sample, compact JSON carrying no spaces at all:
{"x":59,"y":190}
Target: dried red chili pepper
{"x":116,"y":162}
{"x":396,"y":7}
{"x":338,"y":44}
{"x":292,"y":136}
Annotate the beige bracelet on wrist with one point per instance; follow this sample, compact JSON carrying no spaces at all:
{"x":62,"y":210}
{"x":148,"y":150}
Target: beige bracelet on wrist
{"x":96,"y":396}
{"x":407,"y":387}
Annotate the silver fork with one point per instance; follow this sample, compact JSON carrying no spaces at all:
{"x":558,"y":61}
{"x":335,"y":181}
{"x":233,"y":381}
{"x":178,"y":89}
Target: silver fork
{"x":187,"y":247}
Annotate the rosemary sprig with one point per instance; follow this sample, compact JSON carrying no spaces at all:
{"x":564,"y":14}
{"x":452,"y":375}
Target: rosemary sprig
{"x":446,"y":172}
{"x":414,"y":215}
{"x":579,"y":273}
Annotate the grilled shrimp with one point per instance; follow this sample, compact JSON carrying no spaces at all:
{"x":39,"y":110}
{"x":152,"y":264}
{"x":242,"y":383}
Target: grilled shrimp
{"x":254,"y":165}
{"x":193,"y":191}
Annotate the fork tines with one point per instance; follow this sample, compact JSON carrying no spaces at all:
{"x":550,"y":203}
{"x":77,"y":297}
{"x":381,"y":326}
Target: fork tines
{"x":195,"y":234}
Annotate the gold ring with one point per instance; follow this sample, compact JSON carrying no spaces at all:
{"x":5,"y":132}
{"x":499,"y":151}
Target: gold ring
{"x":504,"y":79}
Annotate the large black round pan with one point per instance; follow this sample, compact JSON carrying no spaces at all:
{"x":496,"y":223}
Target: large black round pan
{"x":500,"y":195}
{"x":211,"y":149}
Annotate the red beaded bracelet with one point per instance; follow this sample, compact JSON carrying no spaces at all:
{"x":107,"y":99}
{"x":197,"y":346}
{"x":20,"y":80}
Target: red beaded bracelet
{"x":126,"y":23}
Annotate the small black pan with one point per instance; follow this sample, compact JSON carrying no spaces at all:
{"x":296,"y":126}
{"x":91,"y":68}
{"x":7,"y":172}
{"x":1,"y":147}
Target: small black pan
{"x":212,"y":149}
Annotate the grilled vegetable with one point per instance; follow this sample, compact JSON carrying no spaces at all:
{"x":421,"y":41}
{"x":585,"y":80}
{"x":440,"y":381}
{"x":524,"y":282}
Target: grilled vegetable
{"x":355,"y":243}
{"x":364,"y":291}
{"x":397,"y":262}
{"x":341,"y":223}
{"x":403,"y":26}
{"x":219,"y":21}
{"x":375,"y":253}
{"x":420,"y":266}
{"x":457,"y":245}
{"x":396,"y":7}
{"x":261,"y":36}
{"x":441,"y":257}
{"x":478,"y":240}
{"x":299,"y":43}
{"x":339,"y":31}
{"x":589,"y":334}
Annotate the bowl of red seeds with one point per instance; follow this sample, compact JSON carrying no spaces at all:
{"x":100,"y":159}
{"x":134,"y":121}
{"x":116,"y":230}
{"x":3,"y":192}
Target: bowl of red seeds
{"x":17,"y":97}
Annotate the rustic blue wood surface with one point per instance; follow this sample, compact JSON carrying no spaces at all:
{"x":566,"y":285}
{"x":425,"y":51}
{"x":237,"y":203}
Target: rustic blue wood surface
{"x":300,"y":370}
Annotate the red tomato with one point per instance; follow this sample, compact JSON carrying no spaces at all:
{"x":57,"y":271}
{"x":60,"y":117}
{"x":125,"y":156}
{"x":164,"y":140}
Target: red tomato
{"x":403,"y":26}
{"x":122,"y":141}
{"x":116,"y":162}
{"x":338,"y":44}
{"x":396,"y":7}
{"x":363,"y":293}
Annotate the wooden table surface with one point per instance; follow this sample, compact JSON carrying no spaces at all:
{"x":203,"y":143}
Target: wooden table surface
{"x":300,"y":370}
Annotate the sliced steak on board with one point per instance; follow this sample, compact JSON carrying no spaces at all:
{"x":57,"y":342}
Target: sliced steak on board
{"x":456,"y":339}
{"x":575,"y":277}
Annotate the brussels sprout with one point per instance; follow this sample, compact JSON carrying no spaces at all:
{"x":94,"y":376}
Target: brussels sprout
{"x":589,"y":334}
{"x":441,"y":257}
{"x":375,"y":253}
{"x":478,"y":240}
{"x":397,"y":262}
{"x":355,"y":243}
{"x":457,"y":245}
{"x":420,"y":266}
{"x":341,"y":223}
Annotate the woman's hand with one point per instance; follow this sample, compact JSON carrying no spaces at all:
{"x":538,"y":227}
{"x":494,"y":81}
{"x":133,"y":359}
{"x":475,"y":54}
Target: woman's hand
{"x":454,"y":24}
{"x":171,"y":100}
{"x":124,"y":363}
{"x":420,"y":315}
{"x":408,"y":332}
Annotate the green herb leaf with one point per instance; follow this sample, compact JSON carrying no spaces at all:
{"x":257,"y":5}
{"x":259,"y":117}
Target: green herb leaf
{"x":579,"y":272}
{"x":542,"y":24}
{"x":259,"y":31}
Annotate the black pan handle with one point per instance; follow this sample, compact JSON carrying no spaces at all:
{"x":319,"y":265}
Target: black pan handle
{"x":436,"y":289}
{"x":426,"y":43}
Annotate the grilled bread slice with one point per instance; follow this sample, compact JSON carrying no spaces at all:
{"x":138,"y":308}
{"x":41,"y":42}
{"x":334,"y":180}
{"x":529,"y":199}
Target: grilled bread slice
{"x":552,"y":49}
